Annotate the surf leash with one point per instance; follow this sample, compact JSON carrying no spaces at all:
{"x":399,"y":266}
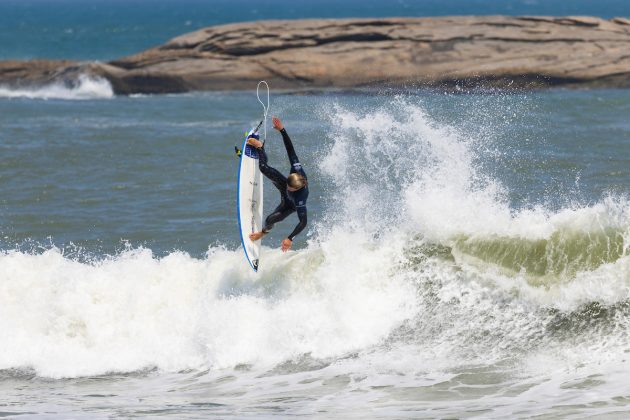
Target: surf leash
{"x":265,"y":109}
{"x":238,"y":151}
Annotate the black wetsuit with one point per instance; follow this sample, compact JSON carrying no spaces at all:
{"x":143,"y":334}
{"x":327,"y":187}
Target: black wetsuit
{"x":290,"y":201}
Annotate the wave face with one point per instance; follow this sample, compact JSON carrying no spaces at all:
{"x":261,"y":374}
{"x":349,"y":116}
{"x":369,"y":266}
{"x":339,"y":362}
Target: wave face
{"x":85,"y":87}
{"x":419,"y":276}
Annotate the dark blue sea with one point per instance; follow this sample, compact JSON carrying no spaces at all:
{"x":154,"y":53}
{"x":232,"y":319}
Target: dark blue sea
{"x":107,"y":29}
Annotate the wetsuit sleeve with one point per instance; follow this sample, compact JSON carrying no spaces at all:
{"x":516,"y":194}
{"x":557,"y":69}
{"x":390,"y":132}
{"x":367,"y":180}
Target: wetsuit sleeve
{"x":295,"y":162}
{"x":302,"y":215}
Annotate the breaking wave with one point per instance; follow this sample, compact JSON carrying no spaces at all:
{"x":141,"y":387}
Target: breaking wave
{"x":86,"y":87}
{"x":419,"y":263}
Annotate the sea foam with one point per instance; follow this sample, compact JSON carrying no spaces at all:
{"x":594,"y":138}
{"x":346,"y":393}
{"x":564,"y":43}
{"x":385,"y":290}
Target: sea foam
{"x":67,"y":318}
{"x":86,"y":87}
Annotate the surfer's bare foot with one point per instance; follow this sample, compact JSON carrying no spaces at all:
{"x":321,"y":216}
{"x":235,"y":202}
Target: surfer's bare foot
{"x":256,"y":143}
{"x":256,"y":235}
{"x":277,"y":124}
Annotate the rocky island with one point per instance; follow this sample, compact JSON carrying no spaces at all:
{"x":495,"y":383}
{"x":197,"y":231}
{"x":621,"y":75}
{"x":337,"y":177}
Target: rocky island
{"x":460,"y":51}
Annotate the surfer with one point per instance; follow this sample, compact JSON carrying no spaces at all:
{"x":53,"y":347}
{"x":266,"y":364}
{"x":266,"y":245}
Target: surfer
{"x":293,"y":189}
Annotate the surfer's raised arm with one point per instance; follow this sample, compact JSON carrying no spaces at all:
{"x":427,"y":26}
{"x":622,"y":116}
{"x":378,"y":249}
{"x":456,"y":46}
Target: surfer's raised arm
{"x":277,"y":124}
{"x":296,"y":167}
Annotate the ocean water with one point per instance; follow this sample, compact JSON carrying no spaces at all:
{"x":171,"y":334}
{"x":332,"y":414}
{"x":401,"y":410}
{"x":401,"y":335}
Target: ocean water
{"x":108,"y":29}
{"x":466,"y":256}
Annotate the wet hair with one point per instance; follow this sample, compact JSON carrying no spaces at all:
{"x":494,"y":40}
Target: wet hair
{"x":296,"y":181}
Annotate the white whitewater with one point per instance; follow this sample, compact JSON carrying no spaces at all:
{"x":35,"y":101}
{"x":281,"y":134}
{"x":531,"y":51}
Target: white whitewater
{"x":86,"y":87}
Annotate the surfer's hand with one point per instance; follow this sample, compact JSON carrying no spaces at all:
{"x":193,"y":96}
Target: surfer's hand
{"x":286,"y":245}
{"x":277,"y":124}
{"x":256,"y":235}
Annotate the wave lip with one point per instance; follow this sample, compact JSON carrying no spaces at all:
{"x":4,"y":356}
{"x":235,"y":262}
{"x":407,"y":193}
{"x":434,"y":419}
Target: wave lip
{"x":85,"y":87}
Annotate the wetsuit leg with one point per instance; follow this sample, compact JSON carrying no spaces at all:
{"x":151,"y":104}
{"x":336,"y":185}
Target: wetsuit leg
{"x":280,"y":213}
{"x":276,"y":177}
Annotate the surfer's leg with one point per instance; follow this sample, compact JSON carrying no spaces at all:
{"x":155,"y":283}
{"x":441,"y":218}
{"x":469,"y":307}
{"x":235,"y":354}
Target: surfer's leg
{"x":280,"y":213}
{"x":276,"y":177}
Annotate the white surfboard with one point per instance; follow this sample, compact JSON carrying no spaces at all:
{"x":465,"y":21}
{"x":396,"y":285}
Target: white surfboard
{"x":249,"y":202}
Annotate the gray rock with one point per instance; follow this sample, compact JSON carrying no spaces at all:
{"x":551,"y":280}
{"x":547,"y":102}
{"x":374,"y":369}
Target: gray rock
{"x":452,"y":52}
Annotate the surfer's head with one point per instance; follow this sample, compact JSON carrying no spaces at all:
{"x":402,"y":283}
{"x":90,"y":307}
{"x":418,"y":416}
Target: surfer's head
{"x":254,"y":136}
{"x":295,"y":182}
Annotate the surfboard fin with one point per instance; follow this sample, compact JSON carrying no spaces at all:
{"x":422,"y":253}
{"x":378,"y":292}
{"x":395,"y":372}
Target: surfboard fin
{"x":238,"y":151}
